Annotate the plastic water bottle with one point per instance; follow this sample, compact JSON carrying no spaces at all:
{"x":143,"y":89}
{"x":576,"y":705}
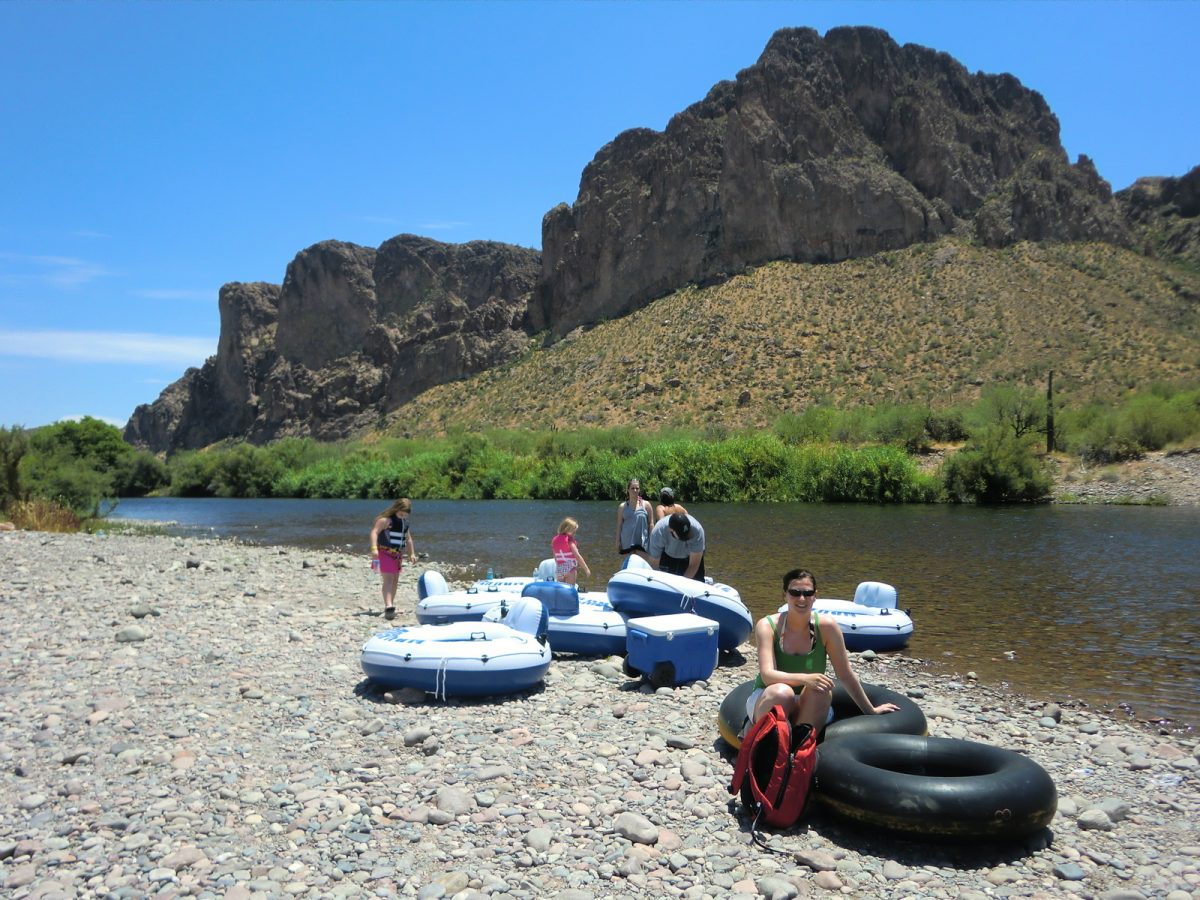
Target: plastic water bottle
{"x":375,"y":566}
{"x":490,"y":574}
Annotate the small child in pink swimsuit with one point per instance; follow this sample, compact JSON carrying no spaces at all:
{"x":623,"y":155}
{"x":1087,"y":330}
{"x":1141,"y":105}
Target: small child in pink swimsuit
{"x":567,"y":558}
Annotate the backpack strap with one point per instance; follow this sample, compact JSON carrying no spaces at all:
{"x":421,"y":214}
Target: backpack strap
{"x":800,"y":761}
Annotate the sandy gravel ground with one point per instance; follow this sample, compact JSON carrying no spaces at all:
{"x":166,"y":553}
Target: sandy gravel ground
{"x":188,"y":718}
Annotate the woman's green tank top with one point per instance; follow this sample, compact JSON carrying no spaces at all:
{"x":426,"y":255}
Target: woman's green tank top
{"x":797,"y":663}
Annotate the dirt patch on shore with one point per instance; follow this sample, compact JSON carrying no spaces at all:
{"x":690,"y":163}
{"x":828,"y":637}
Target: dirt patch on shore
{"x":1166,"y":478}
{"x":1172,"y":479}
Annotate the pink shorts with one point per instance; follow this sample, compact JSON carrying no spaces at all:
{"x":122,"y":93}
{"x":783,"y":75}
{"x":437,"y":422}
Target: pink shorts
{"x":390,"y":562}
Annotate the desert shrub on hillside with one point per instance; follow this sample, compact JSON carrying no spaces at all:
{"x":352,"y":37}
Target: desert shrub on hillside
{"x":1015,"y":408}
{"x":912,"y":426}
{"x":945,"y":426}
{"x":1153,"y":421}
{"x":904,"y":426}
{"x":995,"y":467}
{"x":1100,"y":433}
{"x":814,"y":424}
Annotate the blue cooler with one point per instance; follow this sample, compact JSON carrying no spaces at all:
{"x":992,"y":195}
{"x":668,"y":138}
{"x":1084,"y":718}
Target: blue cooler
{"x":672,"y":649}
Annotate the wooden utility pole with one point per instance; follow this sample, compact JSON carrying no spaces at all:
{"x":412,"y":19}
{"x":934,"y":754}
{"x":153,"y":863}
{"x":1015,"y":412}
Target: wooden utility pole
{"x":1050,"y":411}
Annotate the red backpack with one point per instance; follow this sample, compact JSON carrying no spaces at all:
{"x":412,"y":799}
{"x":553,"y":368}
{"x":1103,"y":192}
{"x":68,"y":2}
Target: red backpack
{"x":774,"y":769}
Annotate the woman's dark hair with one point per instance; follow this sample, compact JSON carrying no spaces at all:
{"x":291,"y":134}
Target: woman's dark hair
{"x":798,"y":573}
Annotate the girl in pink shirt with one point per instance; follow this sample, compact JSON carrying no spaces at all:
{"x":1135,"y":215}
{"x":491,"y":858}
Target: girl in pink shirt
{"x":567,"y":558}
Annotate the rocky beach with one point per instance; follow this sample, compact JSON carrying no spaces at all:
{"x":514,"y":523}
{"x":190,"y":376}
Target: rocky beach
{"x":182,"y":717}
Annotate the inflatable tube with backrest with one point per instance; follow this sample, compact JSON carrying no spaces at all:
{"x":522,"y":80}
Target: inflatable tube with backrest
{"x":848,"y":718}
{"x":463,"y":658}
{"x":941,"y":787}
{"x":431,"y":584}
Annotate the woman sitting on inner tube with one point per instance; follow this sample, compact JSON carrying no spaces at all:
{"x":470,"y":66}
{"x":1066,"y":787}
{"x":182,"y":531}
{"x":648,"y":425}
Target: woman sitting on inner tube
{"x":792,"y":649}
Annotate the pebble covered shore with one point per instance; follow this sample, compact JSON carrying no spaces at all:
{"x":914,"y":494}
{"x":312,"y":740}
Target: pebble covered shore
{"x":188,"y":718}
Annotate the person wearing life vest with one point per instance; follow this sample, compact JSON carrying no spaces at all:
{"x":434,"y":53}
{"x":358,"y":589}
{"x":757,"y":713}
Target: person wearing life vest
{"x":391,"y":540}
{"x":793,"y":648}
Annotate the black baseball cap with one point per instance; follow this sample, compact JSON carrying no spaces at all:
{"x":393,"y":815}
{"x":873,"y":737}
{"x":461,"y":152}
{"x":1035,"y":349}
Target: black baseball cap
{"x":680,"y":524}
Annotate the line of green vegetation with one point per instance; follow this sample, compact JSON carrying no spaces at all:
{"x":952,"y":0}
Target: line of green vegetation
{"x":864,"y":455}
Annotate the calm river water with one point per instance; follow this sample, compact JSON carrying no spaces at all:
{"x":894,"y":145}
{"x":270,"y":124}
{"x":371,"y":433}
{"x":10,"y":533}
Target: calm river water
{"x":1090,"y":602}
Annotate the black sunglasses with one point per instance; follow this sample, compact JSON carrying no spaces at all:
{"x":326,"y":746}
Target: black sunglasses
{"x":801,"y":592}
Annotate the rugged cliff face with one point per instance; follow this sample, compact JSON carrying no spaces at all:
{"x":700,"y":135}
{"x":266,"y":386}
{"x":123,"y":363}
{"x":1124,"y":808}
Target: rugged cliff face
{"x":352,"y":333}
{"x":1165,"y":214}
{"x":825,"y":149}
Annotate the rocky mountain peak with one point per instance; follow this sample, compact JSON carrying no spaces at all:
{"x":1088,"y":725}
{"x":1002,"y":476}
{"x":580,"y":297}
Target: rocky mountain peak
{"x":825,"y":149}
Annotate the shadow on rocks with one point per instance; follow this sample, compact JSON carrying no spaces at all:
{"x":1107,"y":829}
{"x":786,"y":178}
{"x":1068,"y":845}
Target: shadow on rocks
{"x":730,"y":659}
{"x":384,"y":696}
{"x":966,"y":853}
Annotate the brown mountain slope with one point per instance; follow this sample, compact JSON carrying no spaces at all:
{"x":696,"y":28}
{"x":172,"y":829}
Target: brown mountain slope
{"x":827,"y":148}
{"x":931,"y":323}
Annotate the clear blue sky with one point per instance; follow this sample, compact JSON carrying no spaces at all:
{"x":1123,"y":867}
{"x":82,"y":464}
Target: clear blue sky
{"x":152,"y":152}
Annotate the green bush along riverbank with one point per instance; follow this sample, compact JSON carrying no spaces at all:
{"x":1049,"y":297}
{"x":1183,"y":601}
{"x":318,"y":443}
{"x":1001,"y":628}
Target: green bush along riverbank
{"x":865,"y":454}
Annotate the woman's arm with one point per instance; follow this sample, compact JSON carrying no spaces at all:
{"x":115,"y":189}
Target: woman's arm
{"x":835,"y":649}
{"x":620,"y":509}
{"x":412,"y":548}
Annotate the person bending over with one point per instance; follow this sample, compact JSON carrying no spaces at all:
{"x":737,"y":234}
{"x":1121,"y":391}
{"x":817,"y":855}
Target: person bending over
{"x":677,"y":546}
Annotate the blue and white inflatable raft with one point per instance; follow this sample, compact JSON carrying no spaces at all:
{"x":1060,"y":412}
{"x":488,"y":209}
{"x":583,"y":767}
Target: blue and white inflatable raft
{"x":463,"y":659}
{"x":438,"y":605}
{"x":638,"y":591}
{"x":584,"y":623}
{"x":872,"y":620}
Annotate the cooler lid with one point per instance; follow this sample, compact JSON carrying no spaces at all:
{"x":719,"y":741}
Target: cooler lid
{"x":676,"y":623}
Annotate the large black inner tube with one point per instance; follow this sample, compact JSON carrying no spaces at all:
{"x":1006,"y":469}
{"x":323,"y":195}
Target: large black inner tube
{"x":934,"y":786}
{"x":848,"y":718}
